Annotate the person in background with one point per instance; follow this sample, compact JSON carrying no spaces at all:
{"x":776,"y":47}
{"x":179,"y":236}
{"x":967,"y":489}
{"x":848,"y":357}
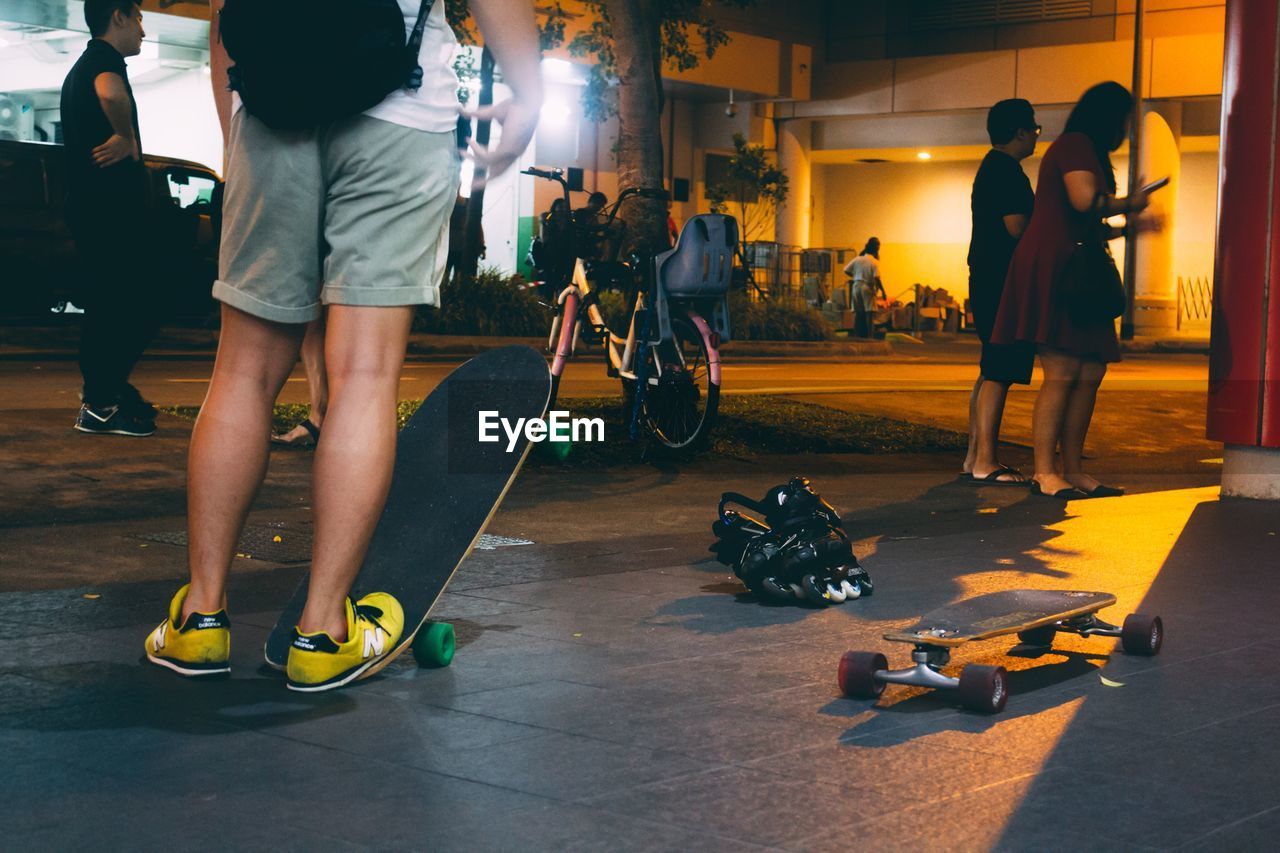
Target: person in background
{"x":458,"y":238}
{"x":597,"y":244}
{"x":551,"y":253}
{"x":1075,"y":194}
{"x":595,"y":203}
{"x":1001,"y":203}
{"x":552,"y":224}
{"x":307,"y":432}
{"x":109,"y":221}
{"x":864,"y":272}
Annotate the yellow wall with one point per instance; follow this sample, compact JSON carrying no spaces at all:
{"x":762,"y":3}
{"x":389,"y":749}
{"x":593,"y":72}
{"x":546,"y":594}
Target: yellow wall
{"x":920,"y":212}
{"x":1197,"y":213}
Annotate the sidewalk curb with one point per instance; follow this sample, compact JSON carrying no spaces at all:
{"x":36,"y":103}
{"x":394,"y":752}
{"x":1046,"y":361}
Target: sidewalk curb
{"x":30,"y":343}
{"x":1188,"y":346}
{"x":34,"y":343}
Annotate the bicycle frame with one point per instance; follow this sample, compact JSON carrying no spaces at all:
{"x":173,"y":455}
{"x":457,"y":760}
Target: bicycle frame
{"x":564,"y":338}
{"x":575,"y":305}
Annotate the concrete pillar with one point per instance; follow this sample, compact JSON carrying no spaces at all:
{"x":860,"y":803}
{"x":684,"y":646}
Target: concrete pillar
{"x":1251,"y":472}
{"x":1155,"y":296}
{"x":1244,"y":362}
{"x":794,"y":146}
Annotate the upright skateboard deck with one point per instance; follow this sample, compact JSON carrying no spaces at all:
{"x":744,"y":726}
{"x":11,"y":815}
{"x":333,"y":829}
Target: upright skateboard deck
{"x":446,"y":486}
{"x":999,"y":613}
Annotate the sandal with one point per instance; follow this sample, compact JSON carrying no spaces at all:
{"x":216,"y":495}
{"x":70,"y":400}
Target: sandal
{"x":1062,"y":494}
{"x":1102,"y":491}
{"x":993,"y":479}
{"x":307,"y":439}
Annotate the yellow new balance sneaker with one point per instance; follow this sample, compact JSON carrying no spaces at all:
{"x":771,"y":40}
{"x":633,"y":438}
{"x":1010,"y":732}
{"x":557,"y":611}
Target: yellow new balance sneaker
{"x":374,"y":625}
{"x":201,"y":646}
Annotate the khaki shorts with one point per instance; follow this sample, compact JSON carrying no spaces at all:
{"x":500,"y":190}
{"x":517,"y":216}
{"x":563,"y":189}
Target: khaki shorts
{"x":355,"y":213}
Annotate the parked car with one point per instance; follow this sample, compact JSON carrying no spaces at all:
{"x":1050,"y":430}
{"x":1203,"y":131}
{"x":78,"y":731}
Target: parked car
{"x":40,"y":271}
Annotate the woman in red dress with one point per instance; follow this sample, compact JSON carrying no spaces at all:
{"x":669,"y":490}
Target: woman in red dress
{"x":1075,"y":191}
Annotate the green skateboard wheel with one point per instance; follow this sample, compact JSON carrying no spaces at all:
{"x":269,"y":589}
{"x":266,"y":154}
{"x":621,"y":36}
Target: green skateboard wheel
{"x":434,"y":645}
{"x":560,"y":449}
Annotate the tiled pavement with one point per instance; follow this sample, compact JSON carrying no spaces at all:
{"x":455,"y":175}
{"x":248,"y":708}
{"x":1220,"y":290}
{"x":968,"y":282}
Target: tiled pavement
{"x":615,"y":690}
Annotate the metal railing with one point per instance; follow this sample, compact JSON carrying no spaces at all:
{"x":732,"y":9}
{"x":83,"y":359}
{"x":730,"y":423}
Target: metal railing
{"x":792,"y":273}
{"x":815,"y":278}
{"x":1195,"y":301}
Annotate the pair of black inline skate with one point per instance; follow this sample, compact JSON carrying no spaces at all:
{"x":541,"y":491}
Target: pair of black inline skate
{"x":798,"y":550}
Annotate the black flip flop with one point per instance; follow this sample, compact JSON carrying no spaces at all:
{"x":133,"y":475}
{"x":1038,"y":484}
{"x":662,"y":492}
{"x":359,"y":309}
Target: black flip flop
{"x":993,"y":479}
{"x":965,"y":476}
{"x":1062,"y":494}
{"x":1103,"y":491}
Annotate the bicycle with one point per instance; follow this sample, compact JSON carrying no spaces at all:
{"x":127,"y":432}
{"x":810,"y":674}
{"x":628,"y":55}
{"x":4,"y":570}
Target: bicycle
{"x":677,"y":304}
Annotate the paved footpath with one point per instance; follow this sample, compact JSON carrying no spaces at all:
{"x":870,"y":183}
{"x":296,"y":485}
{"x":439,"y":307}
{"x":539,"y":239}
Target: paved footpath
{"x":614,"y":689}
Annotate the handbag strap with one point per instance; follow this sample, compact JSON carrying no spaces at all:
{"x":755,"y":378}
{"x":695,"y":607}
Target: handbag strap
{"x":415,"y":44}
{"x":1097,"y":224}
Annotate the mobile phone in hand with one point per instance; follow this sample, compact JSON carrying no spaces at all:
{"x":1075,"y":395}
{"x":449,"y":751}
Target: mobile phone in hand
{"x":1155,"y":185}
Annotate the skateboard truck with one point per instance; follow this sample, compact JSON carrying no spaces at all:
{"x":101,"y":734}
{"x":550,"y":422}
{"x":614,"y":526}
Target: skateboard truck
{"x":1087,"y":626}
{"x":929,"y":661}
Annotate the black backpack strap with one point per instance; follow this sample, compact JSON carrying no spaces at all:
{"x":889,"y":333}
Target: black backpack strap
{"x":415,"y":45}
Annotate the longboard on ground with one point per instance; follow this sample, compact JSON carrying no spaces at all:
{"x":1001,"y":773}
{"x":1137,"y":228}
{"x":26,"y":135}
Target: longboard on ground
{"x":446,"y":487}
{"x":1036,"y":616}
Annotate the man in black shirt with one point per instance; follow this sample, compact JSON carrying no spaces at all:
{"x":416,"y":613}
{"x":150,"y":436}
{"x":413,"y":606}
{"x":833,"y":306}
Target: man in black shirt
{"x":1001,"y":204}
{"x":106,"y":212}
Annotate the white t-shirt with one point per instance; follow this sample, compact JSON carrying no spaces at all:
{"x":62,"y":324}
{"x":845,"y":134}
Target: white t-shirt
{"x":863,"y":268}
{"x":434,"y":107}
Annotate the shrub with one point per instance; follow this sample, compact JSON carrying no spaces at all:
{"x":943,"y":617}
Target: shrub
{"x":495,"y":304}
{"x":775,"y":320}
{"x":613,"y":306}
{"x":749,"y":320}
{"x":489,"y":304}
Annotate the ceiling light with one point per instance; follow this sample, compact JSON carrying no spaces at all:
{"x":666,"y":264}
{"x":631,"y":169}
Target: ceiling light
{"x":924,"y":155}
{"x":556,"y":113}
{"x":561,"y":71}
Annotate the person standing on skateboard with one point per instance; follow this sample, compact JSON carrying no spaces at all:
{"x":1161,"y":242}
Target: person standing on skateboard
{"x":351,"y":214}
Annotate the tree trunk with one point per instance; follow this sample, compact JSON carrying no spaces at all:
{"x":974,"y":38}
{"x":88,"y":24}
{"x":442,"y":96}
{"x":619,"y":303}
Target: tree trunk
{"x":637,"y":49}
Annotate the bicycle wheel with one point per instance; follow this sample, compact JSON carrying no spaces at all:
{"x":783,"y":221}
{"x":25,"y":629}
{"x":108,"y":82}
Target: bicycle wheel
{"x":680,"y":403}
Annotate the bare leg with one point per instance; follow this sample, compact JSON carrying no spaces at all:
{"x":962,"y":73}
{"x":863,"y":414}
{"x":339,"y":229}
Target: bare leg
{"x":364,"y":351}
{"x":313,"y":363}
{"x":1076,"y":425}
{"x":972,"y":452}
{"x":990,"y":409}
{"x":317,"y":381}
{"x":1060,"y":374}
{"x":229,"y":446}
